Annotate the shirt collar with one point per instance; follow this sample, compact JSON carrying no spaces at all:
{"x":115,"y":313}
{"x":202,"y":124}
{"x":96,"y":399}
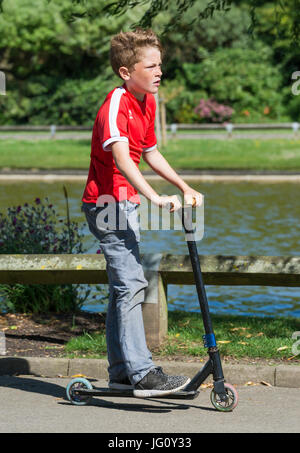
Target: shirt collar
{"x":133,"y":97}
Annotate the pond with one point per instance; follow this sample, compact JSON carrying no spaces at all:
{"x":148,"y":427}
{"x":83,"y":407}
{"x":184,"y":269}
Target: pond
{"x":241,"y":218}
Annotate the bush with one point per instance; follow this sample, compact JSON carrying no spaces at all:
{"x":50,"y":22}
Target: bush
{"x":66,"y":102}
{"x":73,"y":102}
{"x":181,"y":109}
{"x":236,"y":77}
{"x":37,"y":229}
{"x":55,"y":67}
{"x":294,"y":107}
{"x":211,"y":111}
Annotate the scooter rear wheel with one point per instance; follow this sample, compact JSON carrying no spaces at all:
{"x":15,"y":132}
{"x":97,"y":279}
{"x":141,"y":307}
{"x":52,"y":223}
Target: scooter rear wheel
{"x":225,"y":406}
{"x":76,"y":384}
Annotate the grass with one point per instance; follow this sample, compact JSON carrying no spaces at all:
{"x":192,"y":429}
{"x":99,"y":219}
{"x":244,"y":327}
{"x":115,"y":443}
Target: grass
{"x":272,"y":154}
{"x":237,"y":337}
{"x":45,"y":154}
{"x":234,"y":154}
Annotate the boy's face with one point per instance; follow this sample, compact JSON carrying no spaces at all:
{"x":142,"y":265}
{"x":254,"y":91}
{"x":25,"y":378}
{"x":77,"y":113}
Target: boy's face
{"x":146,"y":75}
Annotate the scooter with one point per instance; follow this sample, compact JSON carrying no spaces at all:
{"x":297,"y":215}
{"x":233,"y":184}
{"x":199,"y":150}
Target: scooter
{"x":224,"y":396}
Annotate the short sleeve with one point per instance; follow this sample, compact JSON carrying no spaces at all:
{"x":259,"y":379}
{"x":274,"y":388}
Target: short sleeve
{"x":113,"y":121}
{"x":150,"y":139}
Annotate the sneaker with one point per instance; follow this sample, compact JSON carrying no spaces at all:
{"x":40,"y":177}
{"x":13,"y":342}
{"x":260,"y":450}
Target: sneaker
{"x":157,"y":383}
{"x":123,"y":384}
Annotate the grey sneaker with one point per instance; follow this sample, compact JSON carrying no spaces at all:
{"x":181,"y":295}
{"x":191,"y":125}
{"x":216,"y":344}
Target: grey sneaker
{"x":123,"y":384}
{"x":157,"y":383}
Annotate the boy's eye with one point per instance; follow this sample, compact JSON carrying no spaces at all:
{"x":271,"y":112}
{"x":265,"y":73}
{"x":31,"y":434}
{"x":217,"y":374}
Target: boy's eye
{"x":153,"y":66}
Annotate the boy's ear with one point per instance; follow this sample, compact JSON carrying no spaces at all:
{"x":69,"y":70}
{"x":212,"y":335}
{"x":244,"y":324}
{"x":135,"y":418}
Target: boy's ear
{"x":124,"y":73}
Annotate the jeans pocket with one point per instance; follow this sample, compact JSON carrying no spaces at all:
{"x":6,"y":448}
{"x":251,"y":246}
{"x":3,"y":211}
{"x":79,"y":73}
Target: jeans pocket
{"x":89,"y":209}
{"x":122,"y":218}
{"x":91,"y":215}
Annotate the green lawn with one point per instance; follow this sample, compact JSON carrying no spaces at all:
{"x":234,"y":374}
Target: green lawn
{"x":275,"y":154}
{"x":237,"y":337}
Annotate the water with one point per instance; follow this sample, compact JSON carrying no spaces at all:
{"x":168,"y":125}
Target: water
{"x":241,"y":218}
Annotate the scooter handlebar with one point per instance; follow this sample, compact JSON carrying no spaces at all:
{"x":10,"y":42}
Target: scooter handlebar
{"x":193,"y":204}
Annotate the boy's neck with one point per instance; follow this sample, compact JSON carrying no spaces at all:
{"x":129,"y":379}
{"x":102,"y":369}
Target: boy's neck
{"x":140,"y":96}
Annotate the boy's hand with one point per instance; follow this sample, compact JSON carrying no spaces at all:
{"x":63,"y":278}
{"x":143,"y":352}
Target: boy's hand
{"x":192,"y":197}
{"x":173,"y":203}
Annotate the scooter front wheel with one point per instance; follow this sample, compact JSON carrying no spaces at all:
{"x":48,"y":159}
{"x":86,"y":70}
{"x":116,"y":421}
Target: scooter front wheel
{"x":232,"y":399}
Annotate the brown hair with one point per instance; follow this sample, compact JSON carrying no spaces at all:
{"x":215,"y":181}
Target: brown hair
{"x":125,"y":47}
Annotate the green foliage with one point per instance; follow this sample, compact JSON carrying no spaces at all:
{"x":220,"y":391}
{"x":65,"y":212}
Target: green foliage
{"x":236,"y":78}
{"x":203,"y":11}
{"x":40,"y":298}
{"x":218,"y":59}
{"x":55,"y":55}
{"x":198,"y":42}
{"x":37,"y":229}
{"x":73,"y":101}
{"x":57,"y":70}
{"x":294,"y":108}
{"x":181,"y":108}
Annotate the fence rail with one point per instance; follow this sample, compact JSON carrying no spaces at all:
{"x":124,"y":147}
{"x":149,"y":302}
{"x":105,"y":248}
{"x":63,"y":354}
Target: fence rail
{"x":237,"y":126}
{"x":160,"y":270}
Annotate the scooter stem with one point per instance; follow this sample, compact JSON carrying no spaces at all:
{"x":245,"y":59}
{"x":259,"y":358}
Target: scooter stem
{"x":193,"y":252}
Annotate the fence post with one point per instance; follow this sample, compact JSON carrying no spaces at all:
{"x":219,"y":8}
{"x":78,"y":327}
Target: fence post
{"x":295,"y":127}
{"x":155,"y":308}
{"x":52,"y":131}
{"x":173,"y":129}
{"x":229,"y":128}
{"x":2,"y":83}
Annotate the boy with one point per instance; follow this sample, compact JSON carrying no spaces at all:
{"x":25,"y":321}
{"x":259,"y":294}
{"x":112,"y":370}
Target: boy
{"x":122,"y":133}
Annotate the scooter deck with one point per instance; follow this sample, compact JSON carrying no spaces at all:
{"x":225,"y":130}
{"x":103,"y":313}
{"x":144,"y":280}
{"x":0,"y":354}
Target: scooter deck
{"x":188,"y":395}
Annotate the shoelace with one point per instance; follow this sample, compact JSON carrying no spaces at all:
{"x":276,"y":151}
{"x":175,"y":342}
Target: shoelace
{"x":158,"y":370}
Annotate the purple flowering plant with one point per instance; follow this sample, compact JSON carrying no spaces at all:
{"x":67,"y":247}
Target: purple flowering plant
{"x":212,"y":111}
{"x":37,"y":229}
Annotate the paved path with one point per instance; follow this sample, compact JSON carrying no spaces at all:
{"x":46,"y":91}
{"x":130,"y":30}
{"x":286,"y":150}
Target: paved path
{"x":36,"y":404}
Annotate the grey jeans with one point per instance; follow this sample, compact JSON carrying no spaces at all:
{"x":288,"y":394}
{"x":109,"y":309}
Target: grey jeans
{"x":127,"y":351}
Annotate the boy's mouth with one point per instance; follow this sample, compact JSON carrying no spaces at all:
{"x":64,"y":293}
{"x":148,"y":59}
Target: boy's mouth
{"x":157,"y":83}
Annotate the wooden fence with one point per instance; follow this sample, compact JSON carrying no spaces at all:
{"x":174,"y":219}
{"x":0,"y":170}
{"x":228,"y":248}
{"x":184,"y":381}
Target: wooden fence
{"x":237,"y":126}
{"x":160,"y":270}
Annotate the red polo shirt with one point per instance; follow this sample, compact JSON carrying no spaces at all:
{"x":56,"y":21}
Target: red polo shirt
{"x":122,"y":117}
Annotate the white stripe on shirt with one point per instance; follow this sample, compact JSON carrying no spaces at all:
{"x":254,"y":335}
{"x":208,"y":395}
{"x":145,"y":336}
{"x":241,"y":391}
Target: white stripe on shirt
{"x":146,"y":150}
{"x":106,"y":144}
{"x":114,"y":110}
{"x":112,"y":117}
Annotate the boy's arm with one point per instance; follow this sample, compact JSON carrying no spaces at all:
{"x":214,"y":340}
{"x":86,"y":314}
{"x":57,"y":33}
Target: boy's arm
{"x":159,"y":164}
{"x":124,"y":163}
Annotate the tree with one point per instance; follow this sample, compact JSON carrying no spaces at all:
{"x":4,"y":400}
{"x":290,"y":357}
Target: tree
{"x":54,"y":66}
{"x":55,"y":55}
{"x":235,"y":77}
{"x":281,"y":10}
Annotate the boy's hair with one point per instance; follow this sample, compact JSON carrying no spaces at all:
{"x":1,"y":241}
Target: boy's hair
{"x":125,"y":47}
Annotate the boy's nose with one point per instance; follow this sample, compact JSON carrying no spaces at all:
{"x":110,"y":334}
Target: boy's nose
{"x":159,"y":72}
